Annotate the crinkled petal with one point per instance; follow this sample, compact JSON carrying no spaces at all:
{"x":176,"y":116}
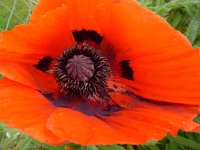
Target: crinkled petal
{"x":49,"y":36}
{"x":79,"y":128}
{"x":28,"y":75}
{"x":136,"y":31}
{"x":52,"y":32}
{"x":155,"y":50}
{"x":165,"y":66}
{"x":81,"y":16}
{"x":136,"y":125}
{"x":27,"y":110}
{"x":43,"y":7}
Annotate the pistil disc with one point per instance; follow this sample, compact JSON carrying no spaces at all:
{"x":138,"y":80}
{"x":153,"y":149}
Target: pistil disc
{"x":80,"y":68}
{"x":82,"y":71}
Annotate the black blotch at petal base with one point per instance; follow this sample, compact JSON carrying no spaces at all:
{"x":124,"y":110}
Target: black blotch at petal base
{"x":84,"y":35}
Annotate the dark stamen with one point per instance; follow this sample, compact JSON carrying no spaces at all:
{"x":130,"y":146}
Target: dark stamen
{"x":127,"y":71}
{"x":82,"y":71}
{"x":85,"y":35}
{"x":44,"y":64}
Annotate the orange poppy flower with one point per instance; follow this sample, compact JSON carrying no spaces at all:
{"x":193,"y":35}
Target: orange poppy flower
{"x":98,"y":72}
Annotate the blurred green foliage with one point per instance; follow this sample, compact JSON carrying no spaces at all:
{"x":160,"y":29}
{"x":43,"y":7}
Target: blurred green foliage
{"x":13,"y":12}
{"x":184,"y":15}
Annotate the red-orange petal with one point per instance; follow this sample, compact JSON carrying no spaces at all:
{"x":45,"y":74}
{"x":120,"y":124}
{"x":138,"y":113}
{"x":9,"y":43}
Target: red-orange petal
{"x":151,"y":123}
{"x":155,"y":56}
{"x":145,"y":120}
{"x":156,"y":93}
{"x":81,"y":16}
{"x":79,"y":128}
{"x":136,"y":31}
{"x":44,"y":6}
{"x":28,"y":75}
{"x":166,"y":115}
{"x":27,"y":110}
{"x":197,"y":129}
{"x":166,"y":68}
{"x":54,"y":26}
{"x":49,"y":36}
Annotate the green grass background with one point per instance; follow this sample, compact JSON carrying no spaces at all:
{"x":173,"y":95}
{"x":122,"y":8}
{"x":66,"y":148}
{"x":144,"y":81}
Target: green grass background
{"x":184,"y":15}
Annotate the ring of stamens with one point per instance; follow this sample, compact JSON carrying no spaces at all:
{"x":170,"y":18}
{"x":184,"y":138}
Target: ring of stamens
{"x":82,"y":71}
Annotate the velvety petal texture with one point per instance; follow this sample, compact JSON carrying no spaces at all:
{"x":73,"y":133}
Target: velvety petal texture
{"x":28,"y":75}
{"x":126,"y":126}
{"x":26,"y":39}
{"x":32,"y":114}
{"x":26,"y":109}
{"x":162,"y":97}
{"x":161,"y":57}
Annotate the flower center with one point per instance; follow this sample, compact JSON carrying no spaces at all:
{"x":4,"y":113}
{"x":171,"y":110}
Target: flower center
{"x":80,"y":68}
{"x":82,"y":71}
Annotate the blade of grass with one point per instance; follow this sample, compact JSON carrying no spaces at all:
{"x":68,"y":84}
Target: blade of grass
{"x":11,"y":14}
{"x":193,"y":28}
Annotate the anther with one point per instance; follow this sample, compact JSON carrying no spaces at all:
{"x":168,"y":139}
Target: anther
{"x":82,"y":71}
